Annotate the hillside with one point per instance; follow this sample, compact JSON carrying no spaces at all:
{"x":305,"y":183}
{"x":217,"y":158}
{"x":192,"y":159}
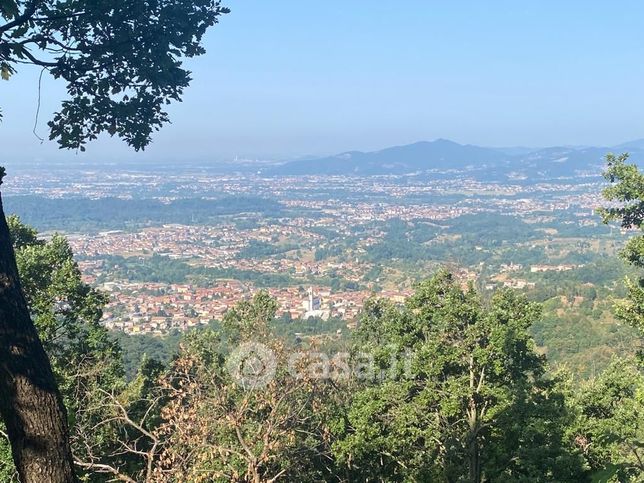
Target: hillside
{"x":443,"y":155}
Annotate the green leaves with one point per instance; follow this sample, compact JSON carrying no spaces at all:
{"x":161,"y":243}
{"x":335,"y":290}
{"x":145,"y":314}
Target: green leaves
{"x":67,"y":313}
{"x":609,"y":427}
{"x":9,"y":9}
{"x":250,"y":318}
{"x":121,"y":60}
{"x":627,"y":190}
{"x":476,"y":382}
{"x":7,"y":469}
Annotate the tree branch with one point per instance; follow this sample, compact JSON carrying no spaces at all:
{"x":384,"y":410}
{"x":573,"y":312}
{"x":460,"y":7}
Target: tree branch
{"x":20,"y":19}
{"x":39,"y":62}
{"x":102,"y":468}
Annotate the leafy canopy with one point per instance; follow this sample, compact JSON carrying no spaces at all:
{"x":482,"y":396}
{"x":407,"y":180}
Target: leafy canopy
{"x":609,"y":427}
{"x":121,"y":59}
{"x":475,"y":405}
{"x":626,"y":193}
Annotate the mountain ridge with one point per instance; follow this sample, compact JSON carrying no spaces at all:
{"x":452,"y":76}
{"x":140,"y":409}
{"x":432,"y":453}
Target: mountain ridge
{"x":444,"y":155}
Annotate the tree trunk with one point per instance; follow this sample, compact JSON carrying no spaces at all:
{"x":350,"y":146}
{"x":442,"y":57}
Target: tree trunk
{"x":475,"y":469}
{"x":473,"y":417}
{"x":30,"y":404}
{"x":473,"y":444}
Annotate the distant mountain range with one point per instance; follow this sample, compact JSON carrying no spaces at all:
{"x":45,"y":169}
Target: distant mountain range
{"x":444,"y":155}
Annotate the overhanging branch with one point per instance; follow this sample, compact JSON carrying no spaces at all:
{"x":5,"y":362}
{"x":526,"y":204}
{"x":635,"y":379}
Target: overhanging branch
{"x":38,"y":62}
{"x":21,"y":19}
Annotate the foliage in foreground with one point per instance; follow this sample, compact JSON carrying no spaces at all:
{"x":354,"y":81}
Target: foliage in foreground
{"x":454,"y":391}
{"x":475,"y":405}
{"x":627,"y":193}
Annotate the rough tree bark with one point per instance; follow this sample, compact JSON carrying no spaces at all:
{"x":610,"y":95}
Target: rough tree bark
{"x":30,"y":403}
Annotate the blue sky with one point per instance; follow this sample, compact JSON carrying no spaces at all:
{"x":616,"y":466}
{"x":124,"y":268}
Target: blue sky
{"x":290,"y":78}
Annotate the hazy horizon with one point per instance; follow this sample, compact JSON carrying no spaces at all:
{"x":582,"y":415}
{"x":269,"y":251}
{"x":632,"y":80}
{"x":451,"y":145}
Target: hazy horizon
{"x":284,"y":81}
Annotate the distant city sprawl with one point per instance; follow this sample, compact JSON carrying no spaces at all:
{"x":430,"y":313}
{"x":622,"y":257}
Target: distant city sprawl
{"x":176,"y":249}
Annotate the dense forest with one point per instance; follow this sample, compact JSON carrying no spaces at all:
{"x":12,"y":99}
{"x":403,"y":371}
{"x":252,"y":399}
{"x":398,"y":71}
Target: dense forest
{"x":448,"y":386}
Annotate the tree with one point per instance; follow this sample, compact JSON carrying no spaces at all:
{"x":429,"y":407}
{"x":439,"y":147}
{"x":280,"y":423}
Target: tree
{"x":114,"y":434}
{"x":627,"y":194}
{"x":121,"y":61}
{"x":609,"y":428}
{"x":66,"y":311}
{"x":610,"y":407}
{"x":30,"y":403}
{"x":467,"y":409}
{"x":243,"y":417}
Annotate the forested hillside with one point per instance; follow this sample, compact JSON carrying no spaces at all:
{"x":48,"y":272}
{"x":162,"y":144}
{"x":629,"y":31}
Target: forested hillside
{"x":447,"y":386}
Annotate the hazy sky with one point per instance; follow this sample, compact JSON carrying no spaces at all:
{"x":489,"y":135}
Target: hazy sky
{"x":288,"y":78}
